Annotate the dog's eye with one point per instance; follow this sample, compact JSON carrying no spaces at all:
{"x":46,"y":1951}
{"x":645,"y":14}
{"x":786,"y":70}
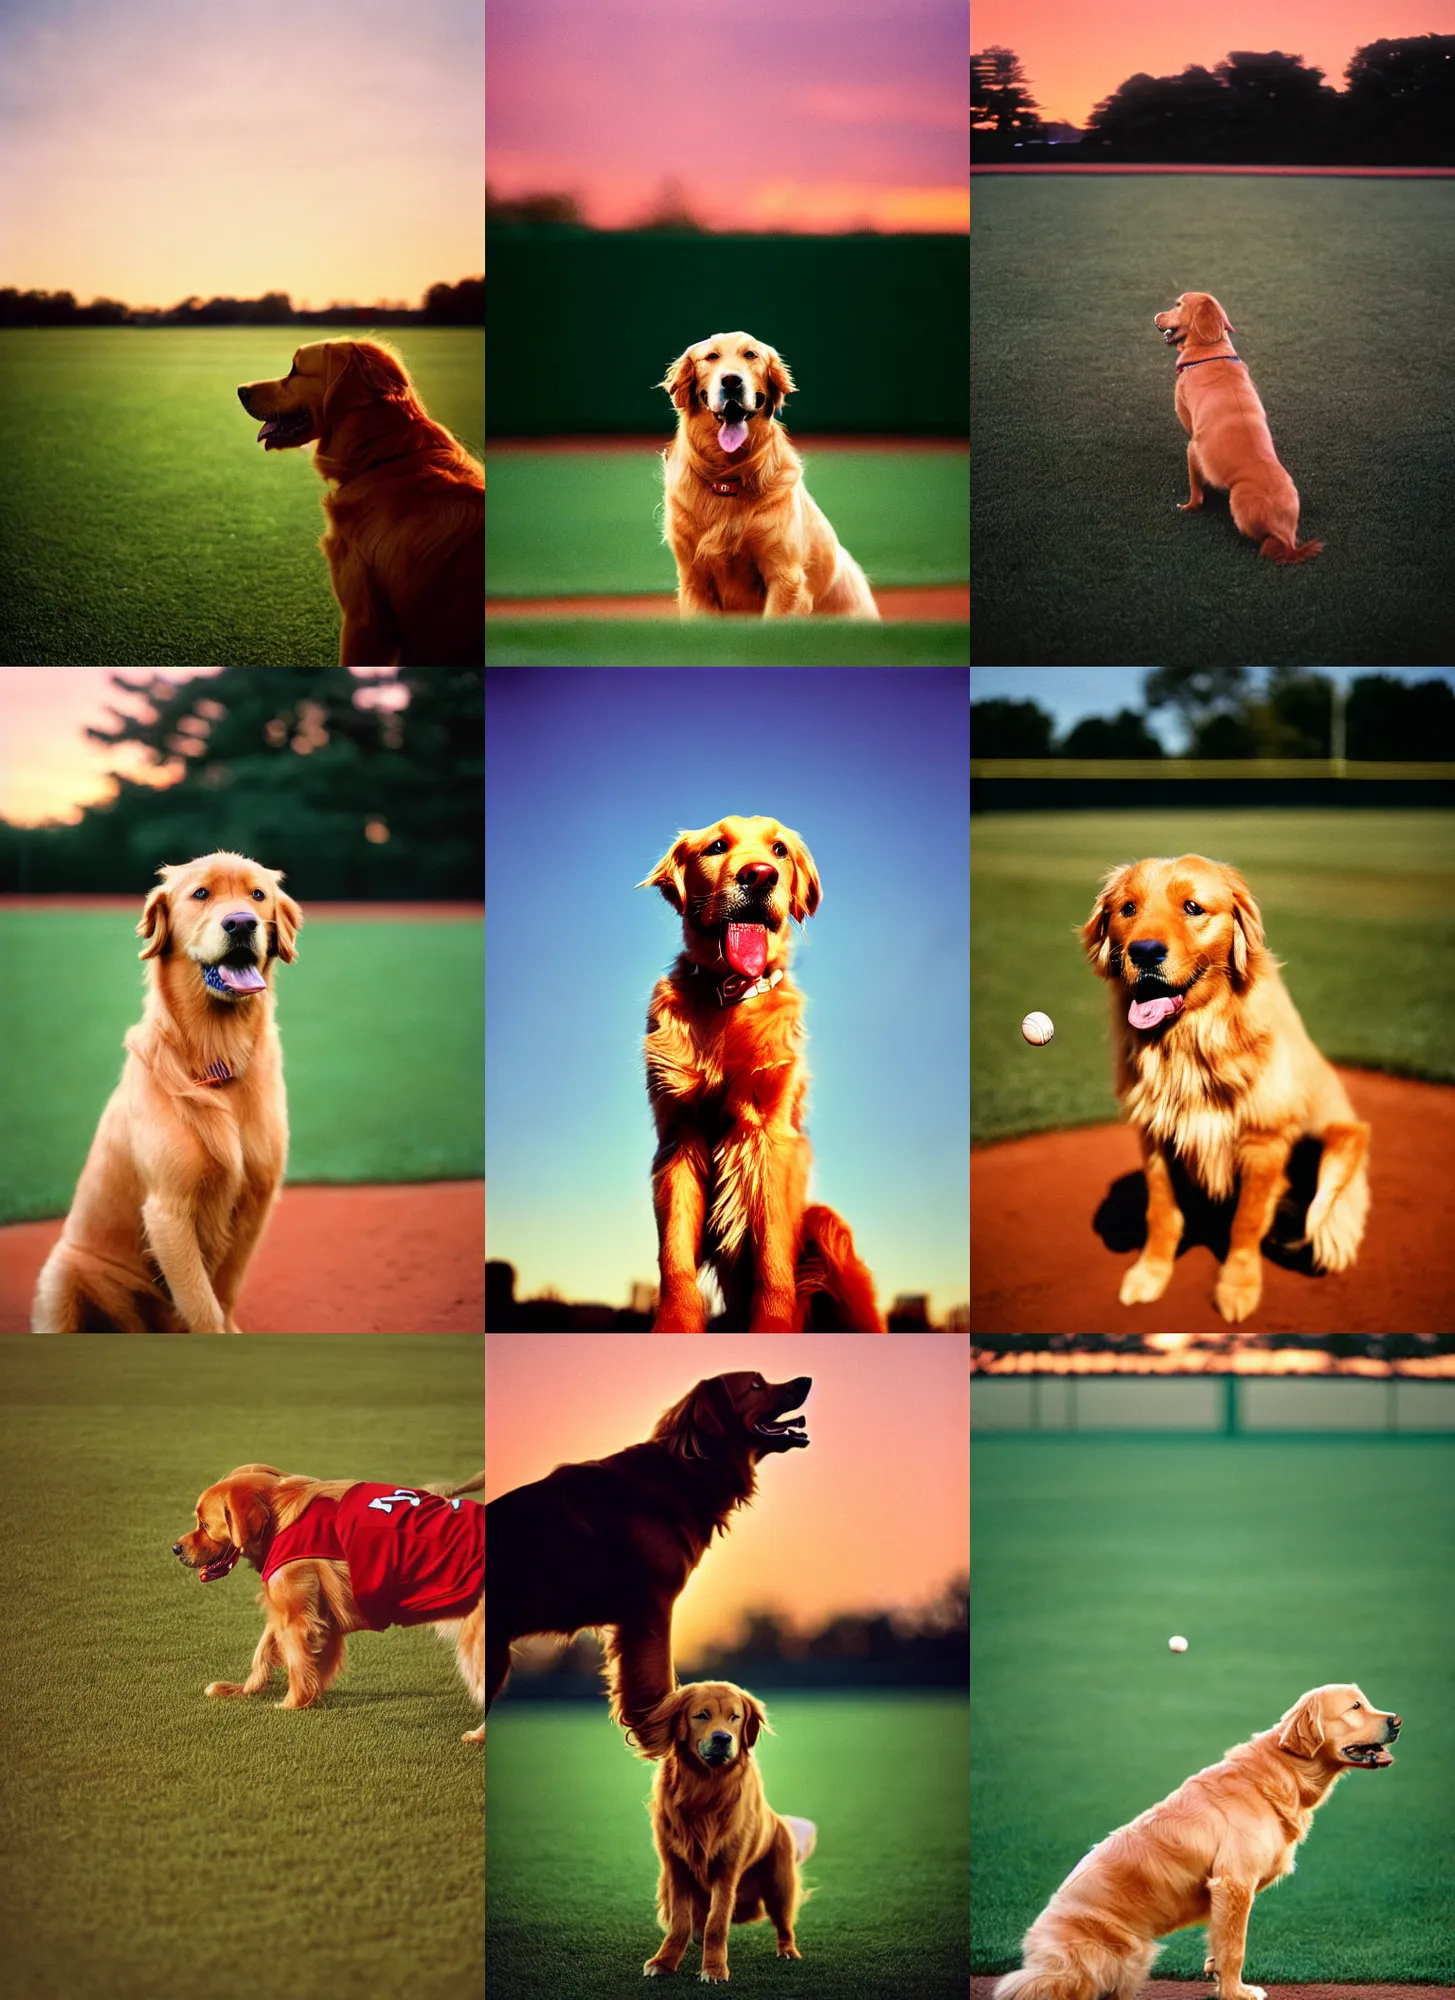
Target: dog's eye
{"x":200,"y":895}
{"x":711,"y":357}
{"x":259,"y":896}
{"x":1129,"y":909}
{"x":750,"y":354}
{"x":780,"y":850}
{"x":1194,"y":909}
{"x":718,"y":846}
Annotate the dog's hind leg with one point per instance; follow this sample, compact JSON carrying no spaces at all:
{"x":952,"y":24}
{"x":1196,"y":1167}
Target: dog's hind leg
{"x":1337,"y":1213}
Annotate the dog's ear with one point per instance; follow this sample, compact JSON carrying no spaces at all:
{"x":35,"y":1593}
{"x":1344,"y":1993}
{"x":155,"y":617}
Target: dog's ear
{"x":156,"y":922}
{"x":680,"y":380}
{"x":806,"y":894}
{"x":670,"y":873}
{"x":1248,"y":950}
{"x":1209,"y":320}
{"x":1303,"y":1728}
{"x":755,"y":1718}
{"x":287,"y":922}
{"x":247,"y":1515}
{"x":780,"y":382}
{"x":1095,"y":933}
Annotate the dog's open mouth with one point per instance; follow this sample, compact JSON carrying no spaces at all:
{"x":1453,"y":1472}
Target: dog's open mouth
{"x":291,"y":428}
{"x":220,"y":1565}
{"x":792,"y":1430}
{"x":1173,"y":335}
{"x":1373,"y":1756}
{"x":745,"y":947}
{"x":732,"y":419}
{"x":1154,"y":1001}
{"x":237,"y":973}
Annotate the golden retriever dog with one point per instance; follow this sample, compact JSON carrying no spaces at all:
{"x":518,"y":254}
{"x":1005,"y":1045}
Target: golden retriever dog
{"x":406,"y":504}
{"x":190,"y":1151}
{"x":727,"y":1081}
{"x":1230,"y":443}
{"x":741,"y":524}
{"x":1200,"y":1857}
{"x":1215,"y":1069}
{"x":727,"y":1857}
{"x":339,"y":1556}
{"x":612,"y":1541}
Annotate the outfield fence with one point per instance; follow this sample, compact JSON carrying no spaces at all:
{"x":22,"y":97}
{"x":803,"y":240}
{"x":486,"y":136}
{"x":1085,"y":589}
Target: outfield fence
{"x":1210,"y":1405}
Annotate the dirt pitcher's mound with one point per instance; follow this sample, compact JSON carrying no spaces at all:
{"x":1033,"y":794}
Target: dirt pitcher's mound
{"x":1055,"y":1221}
{"x":408,"y":1259}
{"x":1185,"y":1989}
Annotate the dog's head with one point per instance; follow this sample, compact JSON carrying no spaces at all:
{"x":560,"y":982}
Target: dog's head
{"x":1197,"y":318}
{"x":728,"y":389}
{"x":735,"y":885}
{"x":227,"y":915}
{"x":710,"y":1726}
{"x":1338,"y":1724}
{"x":234,"y":1519}
{"x":1174,"y":935}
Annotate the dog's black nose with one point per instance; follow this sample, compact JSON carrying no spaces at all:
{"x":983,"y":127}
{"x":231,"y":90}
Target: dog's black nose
{"x":732,"y":381}
{"x":176,"y":1548}
{"x":1147,"y":953}
{"x":240,"y":923}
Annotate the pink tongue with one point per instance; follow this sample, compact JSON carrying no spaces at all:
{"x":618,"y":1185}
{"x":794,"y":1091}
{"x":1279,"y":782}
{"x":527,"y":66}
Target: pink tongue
{"x":746,"y":948}
{"x":1147,"y":1013}
{"x":241,"y":978}
{"x":732,"y":436}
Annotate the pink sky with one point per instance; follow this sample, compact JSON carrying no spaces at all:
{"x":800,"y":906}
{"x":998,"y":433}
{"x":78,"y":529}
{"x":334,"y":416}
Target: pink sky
{"x":48,"y":768}
{"x":163,"y":148}
{"x":874,"y":1514}
{"x":1076,"y":52}
{"x":773,"y":114}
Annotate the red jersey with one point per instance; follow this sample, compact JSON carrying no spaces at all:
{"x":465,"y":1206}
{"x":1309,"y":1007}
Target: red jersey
{"x":412,"y":1557}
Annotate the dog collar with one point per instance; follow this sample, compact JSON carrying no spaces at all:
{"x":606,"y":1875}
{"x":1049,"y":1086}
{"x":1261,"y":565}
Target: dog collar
{"x":1211,"y":358}
{"x":728,"y":484}
{"x":737,"y":985}
{"x":215,"y":1074}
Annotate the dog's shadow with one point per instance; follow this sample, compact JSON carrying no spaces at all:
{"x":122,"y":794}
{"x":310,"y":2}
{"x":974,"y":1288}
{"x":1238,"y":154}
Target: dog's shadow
{"x":1121,"y":1219}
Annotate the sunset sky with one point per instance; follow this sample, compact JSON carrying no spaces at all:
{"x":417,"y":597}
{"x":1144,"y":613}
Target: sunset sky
{"x":771,"y":114}
{"x":873,"y":1515}
{"x":1076,"y":52}
{"x":331,"y":149}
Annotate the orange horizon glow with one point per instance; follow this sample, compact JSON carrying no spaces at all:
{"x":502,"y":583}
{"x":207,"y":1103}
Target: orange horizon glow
{"x":873,"y":1515}
{"x":1074,"y":53}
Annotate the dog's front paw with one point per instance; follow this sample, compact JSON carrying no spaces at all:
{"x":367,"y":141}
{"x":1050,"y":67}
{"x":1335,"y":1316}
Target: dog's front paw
{"x":1148,"y":1279}
{"x":223,"y":1690}
{"x":1189,"y":506}
{"x":1239,"y":1288}
{"x":712,"y":1975}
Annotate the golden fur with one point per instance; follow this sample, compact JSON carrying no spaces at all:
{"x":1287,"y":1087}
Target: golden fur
{"x":1200,"y":1856}
{"x":190,"y":1150}
{"x":727,"y":1857}
{"x":1230,"y":443}
{"x":744,"y":529}
{"x":309,"y":1604}
{"x":727,"y":1081}
{"x":406,"y":504}
{"x":1229,"y":1081}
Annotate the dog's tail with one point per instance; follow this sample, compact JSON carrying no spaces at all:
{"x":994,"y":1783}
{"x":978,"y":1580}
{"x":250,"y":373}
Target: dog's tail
{"x":1279,"y":551}
{"x":1337,"y":1213}
{"x":1083,"y":1969}
{"x":474,"y":1484}
{"x":805,"y":1835}
{"x":829,"y":1265}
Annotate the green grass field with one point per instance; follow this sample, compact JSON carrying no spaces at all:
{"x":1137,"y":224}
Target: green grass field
{"x":1357,"y":905}
{"x":383,"y":1054}
{"x":1286,"y":1564}
{"x":143,"y":523}
{"x":1080,"y":554}
{"x":159,"y":1846}
{"x":590,"y":523}
{"x":572,"y":1872}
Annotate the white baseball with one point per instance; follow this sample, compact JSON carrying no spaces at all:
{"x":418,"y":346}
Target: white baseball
{"x":1178,"y":1645}
{"x":1038,"y":1028}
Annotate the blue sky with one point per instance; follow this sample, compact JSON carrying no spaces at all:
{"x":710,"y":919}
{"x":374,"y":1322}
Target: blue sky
{"x":1069,"y":693}
{"x":590,"y":775}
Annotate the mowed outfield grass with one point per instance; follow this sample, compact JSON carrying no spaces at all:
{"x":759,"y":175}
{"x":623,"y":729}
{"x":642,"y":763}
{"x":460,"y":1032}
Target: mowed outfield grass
{"x":571,"y":1874}
{"x":160,"y":1846}
{"x":590,"y":524}
{"x":1286,"y":1565}
{"x":1079,"y":553}
{"x":1359,"y":906}
{"x":382,"y":1051}
{"x":145,"y":526}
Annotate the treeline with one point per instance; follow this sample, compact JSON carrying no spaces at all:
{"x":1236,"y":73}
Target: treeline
{"x":306,"y":770}
{"x":444,"y":305}
{"x":1386,"y":721}
{"x":926,"y":1648}
{"x":1251,"y":110}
